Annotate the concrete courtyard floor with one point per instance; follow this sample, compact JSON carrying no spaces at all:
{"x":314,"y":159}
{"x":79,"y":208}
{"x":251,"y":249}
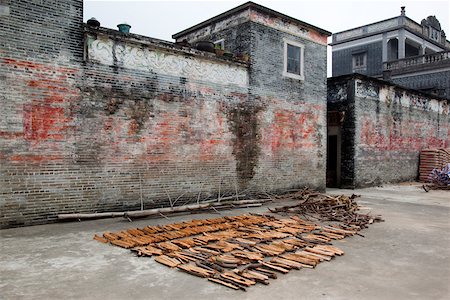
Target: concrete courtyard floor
{"x":406,"y":257}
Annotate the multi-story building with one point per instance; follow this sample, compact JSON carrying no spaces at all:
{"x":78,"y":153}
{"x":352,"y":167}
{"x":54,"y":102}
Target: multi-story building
{"x":397,"y":49}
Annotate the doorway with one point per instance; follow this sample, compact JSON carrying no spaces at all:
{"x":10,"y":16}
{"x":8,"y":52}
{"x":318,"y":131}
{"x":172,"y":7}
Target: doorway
{"x":333,"y":157}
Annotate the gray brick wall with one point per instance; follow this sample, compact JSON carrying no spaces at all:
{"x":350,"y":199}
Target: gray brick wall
{"x":342,"y":60}
{"x":43,"y":31}
{"x":435,"y":82}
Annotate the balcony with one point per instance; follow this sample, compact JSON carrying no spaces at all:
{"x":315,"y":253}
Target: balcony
{"x":412,"y":64}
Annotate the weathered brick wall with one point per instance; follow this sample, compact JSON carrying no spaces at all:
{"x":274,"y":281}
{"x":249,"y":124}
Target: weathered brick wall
{"x":290,"y":127}
{"x":119,"y":131}
{"x":385,"y":128}
{"x":391,"y":126}
{"x":172,"y":135}
{"x":41,"y":54}
{"x":128,"y":119}
{"x":295,"y":152}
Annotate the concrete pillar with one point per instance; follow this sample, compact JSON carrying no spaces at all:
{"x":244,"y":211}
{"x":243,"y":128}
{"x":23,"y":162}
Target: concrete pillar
{"x":385,"y":49}
{"x":423,"y":49}
{"x":401,"y":43}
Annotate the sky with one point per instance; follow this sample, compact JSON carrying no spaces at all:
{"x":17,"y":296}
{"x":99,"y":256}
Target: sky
{"x":161,"y":19}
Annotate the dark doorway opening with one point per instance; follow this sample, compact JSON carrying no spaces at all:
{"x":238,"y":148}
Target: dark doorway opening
{"x":332,"y":161}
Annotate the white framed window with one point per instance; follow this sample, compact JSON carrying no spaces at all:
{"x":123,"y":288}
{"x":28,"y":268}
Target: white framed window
{"x":293,"y":60}
{"x":435,"y":34}
{"x":359,"y":61}
{"x":220,"y":44}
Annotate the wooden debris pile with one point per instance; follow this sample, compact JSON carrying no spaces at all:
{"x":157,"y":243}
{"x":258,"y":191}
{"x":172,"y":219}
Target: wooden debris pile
{"x":240,"y":251}
{"x":314,"y":205}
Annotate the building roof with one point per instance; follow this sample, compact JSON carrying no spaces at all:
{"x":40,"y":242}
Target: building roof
{"x":386,"y":25}
{"x":245,"y":6}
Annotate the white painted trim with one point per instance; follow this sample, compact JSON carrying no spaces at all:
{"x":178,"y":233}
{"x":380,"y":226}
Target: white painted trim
{"x":302,"y":60}
{"x":422,"y":41}
{"x":390,"y":35}
{"x":359,"y":42}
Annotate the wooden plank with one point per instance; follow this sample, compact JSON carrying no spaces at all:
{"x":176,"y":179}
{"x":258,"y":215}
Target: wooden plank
{"x":322,"y":257}
{"x":320,"y":252}
{"x":195,"y":270}
{"x":123,"y":243}
{"x":229,"y":285}
{"x":238,"y":279}
{"x":165,"y":260}
{"x":303,"y":260}
{"x":267,"y":272}
{"x":275,"y":268}
{"x":101,"y":239}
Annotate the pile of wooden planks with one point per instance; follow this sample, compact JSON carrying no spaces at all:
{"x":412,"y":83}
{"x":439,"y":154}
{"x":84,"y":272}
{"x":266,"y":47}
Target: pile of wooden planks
{"x":322,"y":207}
{"x":236,"y":252}
{"x":432,"y":159}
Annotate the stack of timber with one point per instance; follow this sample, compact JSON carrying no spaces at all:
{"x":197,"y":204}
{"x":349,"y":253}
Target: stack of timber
{"x":432,"y":159}
{"x":322,"y":207}
{"x":236,"y":252}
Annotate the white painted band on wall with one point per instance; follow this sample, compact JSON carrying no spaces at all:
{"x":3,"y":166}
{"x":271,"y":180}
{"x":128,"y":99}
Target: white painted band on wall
{"x":103,"y":50}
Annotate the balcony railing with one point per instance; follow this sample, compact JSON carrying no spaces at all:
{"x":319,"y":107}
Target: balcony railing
{"x":424,"y":60}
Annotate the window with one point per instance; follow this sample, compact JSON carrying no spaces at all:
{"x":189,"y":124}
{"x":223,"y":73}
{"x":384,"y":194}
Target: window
{"x":359,"y":62}
{"x":293,"y":60}
{"x":435,"y":34}
{"x":220,"y":44}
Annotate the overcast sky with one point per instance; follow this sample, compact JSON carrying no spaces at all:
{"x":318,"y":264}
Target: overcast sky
{"x":161,"y":19}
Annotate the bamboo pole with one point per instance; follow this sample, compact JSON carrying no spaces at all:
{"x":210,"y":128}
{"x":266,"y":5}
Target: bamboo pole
{"x":164,"y":210}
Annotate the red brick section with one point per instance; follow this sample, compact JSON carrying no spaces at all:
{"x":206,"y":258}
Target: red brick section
{"x":412,"y":135}
{"x":46,"y":117}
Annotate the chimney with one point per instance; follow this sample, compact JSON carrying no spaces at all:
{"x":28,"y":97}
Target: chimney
{"x":402,"y":11}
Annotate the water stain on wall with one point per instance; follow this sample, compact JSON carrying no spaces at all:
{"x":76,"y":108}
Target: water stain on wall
{"x":243,"y":123}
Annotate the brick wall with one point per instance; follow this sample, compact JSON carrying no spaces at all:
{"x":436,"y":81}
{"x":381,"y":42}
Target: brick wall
{"x":114,"y":121}
{"x":291,"y":123}
{"x":343,"y":65}
{"x":391,"y":126}
{"x":437,"y":82}
{"x":297,"y":150}
{"x":41,"y":52}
